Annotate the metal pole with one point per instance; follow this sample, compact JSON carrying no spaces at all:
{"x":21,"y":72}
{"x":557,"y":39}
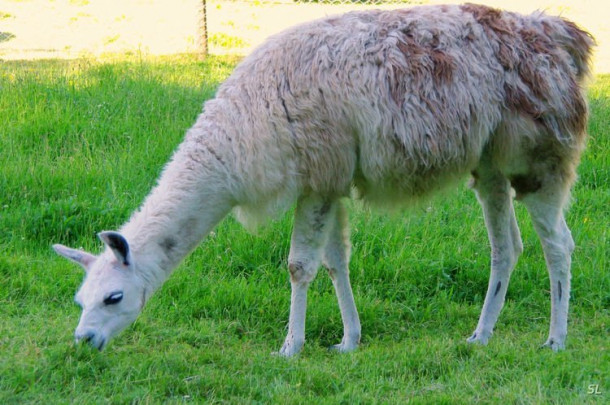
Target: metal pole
{"x":204,"y":29}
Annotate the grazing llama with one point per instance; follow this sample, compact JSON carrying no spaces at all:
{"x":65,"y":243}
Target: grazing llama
{"x":394,"y":105}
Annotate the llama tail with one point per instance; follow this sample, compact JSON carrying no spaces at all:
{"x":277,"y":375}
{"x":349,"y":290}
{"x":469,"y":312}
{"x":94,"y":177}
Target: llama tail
{"x":578,"y":43}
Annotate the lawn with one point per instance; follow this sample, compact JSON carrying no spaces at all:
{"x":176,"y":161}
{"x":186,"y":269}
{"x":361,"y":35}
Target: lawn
{"x":81,"y":144}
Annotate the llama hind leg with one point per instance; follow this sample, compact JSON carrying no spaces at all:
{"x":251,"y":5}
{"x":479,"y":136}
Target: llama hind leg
{"x":545,"y":209}
{"x":336,"y":261}
{"x":309,"y":235}
{"x":494,"y":194}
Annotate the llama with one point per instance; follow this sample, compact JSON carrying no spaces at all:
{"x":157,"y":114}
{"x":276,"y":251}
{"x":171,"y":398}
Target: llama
{"x":390,"y":105}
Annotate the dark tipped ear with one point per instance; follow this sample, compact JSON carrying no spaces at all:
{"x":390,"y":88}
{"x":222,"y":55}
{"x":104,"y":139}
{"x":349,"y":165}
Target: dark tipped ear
{"x":118,"y":244}
{"x":77,"y":256}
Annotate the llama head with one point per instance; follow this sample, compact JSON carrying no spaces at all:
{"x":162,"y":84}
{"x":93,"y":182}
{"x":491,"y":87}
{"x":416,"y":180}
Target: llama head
{"x":112,"y":295}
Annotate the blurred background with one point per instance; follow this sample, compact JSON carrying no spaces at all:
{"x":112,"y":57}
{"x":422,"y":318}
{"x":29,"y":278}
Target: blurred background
{"x":34,"y":29}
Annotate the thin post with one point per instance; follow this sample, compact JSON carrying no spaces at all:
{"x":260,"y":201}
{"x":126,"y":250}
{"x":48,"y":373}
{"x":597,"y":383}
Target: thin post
{"x":204,"y":29}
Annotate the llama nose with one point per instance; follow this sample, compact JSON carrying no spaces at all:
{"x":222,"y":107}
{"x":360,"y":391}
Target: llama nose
{"x":96,"y":340}
{"x":86,"y":336}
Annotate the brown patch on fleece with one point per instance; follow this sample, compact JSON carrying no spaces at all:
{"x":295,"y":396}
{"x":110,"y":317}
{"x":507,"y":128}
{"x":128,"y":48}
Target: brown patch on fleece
{"x":533,"y":54}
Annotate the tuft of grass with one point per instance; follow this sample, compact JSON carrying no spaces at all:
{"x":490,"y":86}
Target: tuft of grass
{"x":81,"y":144}
{"x":225,"y":41}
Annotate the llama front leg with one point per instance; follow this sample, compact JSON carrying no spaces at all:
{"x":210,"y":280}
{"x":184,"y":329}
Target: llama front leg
{"x":493,"y":192}
{"x":336,"y":260}
{"x":557,"y":245}
{"x":309,"y":235}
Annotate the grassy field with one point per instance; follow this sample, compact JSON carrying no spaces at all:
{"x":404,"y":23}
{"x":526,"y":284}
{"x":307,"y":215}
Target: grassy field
{"x":81,"y":144}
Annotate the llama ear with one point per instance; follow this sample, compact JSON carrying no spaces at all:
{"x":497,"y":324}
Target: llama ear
{"x":77,"y":256}
{"x":118,"y":244}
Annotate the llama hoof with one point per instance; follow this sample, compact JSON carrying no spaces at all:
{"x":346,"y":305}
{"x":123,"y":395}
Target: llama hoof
{"x":280,"y":353}
{"x":289,"y":349}
{"x":344,"y":347}
{"x":479,"y":338}
{"x":285,"y":353}
{"x":555,"y":345}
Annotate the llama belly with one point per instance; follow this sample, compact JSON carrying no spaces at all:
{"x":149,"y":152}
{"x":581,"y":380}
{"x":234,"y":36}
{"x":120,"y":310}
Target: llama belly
{"x":408,"y":172}
{"x":409,"y":187}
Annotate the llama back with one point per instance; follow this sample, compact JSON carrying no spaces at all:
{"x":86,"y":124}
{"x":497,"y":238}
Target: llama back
{"x":396,"y":103}
{"x":545,"y":60}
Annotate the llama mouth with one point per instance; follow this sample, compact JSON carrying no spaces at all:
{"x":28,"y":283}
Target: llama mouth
{"x":96,"y":342}
{"x":100,"y":344}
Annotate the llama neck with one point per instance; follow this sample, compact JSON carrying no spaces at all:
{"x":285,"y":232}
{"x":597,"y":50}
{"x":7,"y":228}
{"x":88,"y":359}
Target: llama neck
{"x":190,"y":198}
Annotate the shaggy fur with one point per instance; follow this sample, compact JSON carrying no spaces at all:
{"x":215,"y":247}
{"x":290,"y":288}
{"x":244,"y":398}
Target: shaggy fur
{"x":395,"y":105}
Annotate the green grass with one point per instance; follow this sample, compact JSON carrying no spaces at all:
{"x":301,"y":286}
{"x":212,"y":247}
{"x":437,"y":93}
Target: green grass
{"x":81,"y":144}
{"x":225,"y":41}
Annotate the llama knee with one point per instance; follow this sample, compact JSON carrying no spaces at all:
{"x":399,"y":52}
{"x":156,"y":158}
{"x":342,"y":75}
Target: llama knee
{"x":302,"y":271}
{"x":335,"y":272}
{"x":559,"y":243}
{"x":336,"y":263}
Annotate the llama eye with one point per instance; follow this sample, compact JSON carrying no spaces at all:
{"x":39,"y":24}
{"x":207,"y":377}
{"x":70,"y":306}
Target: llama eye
{"x":113,"y":298}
